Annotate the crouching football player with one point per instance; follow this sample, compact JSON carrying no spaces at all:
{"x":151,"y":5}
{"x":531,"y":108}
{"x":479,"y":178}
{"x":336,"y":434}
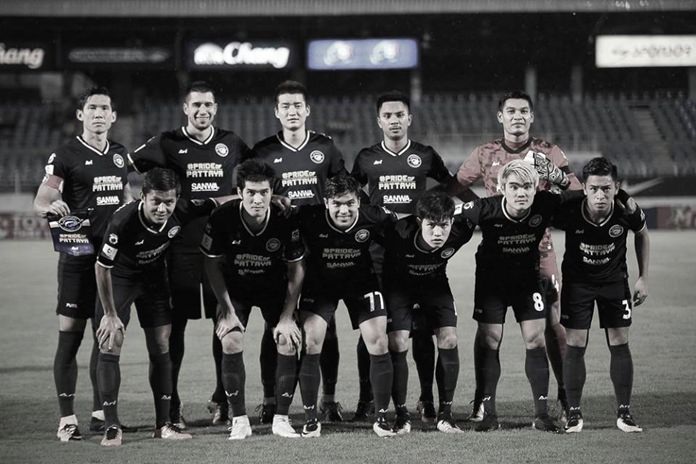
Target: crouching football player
{"x":594,"y":270}
{"x":131,"y":269}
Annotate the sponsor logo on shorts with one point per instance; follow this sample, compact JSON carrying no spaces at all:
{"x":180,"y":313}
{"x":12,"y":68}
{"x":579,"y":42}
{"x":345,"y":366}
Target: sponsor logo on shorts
{"x":535,"y":220}
{"x":173,"y":231}
{"x":273,"y":245}
{"x":317,"y":157}
{"x":222,"y":150}
{"x":414,"y":161}
{"x":118,"y":161}
{"x":615,"y":231}
{"x":362,"y":235}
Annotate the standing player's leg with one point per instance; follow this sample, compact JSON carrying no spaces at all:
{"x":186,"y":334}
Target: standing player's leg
{"x":366,"y":404}
{"x":268,"y":359}
{"x":448,"y":370}
{"x":398,"y":348}
{"x":315,"y":330}
{"x":424,"y":357}
{"x":285,"y":379}
{"x":489,"y":340}
{"x":176,"y":353}
{"x":329,"y":360}
{"x":374,"y":332}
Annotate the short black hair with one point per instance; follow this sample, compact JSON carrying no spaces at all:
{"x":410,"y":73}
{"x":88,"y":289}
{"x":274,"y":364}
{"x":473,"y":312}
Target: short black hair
{"x":515,"y":94}
{"x":161,"y":179}
{"x":435,"y":206}
{"x":287,"y":87}
{"x":253,"y":170}
{"x":391,"y":96}
{"x":201,"y":87}
{"x":340,"y":185}
{"x":599,"y":167}
{"x":97,"y":90}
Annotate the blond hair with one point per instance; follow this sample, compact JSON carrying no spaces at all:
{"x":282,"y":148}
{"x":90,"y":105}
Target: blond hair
{"x":523,"y":170}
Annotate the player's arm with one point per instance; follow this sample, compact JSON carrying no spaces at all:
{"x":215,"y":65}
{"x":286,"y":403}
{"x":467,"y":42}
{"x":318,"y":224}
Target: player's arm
{"x":147,"y":156}
{"x":110,"y":326}
{"x":287,"y":327}
{"x":49,"y":199}
{"x":642,"y":247}
{"x":227,"y":317}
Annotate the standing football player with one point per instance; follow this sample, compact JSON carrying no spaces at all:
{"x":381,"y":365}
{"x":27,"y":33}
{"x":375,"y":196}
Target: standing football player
{"x":204,"y":157}
{"x":395,"y":172}
{"x":87,"y":173}
{"x":516,"y":115}
{"x":303,"y":160}
{"x":594,"y":270}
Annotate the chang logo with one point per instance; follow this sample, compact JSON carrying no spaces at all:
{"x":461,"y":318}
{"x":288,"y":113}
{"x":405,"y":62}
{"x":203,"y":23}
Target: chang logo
{"x":70,"y":223}
{"x":173,"y":231}
{"x":317,"y":157}
{"x":535,"y":220}
{"x":362,"y":235}
{"x":222,"y":150}
{"x":118,"y":161}
{"x":414,"y":161}
{"x":615,"y":231}
{"x":447,"y":253}
{"x":273,"y":245}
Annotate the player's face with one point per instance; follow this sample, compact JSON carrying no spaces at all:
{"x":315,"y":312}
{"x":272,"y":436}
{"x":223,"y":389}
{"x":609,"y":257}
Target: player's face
{"x":158,"y":205}
{"x":394,"y":120}
{"x":600,"y":191}
{"x":519,"y":194}
{"x":516,"y":117}
{"x":343,"y":209}
{"x":96,"y":115}
{"x":292,"y":111}
{"x":435,"y":233}
{"x":256,"y":198}
{"x":200,"y":109}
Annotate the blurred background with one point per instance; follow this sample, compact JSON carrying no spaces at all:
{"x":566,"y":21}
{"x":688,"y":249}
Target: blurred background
{"x":609,"y":78}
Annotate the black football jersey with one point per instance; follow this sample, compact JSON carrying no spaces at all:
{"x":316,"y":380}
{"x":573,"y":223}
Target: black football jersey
{"x":510,"y":246}
{"x":205,"y":169}
{"x":91,"y":179}
{"x":301,"y":172}
{"x":133,"y":247}
{"x":256,"y":260}
{"x":596,"y":253}
{"x":405,"y":260}
{"x":397,"y":180}
{"x":341,"y":257}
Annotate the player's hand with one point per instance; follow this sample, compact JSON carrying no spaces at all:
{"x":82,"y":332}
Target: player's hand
{"x":546,"y":169}
{"x":110,"y":327}
{"x":283,"y":203}
{"x":227,"y":324}
{"x":58,"y":208}
{"x":288,"y":328}
{"x":640,"y":292}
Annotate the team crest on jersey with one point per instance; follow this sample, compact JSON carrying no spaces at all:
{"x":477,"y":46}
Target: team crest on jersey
{"x":362,"y":235}
{"x":317,"y":157}
{"x":222,"y":150}
{"x":447,"y":252}
{"x":468,"y":205}
{"x":113,"y":239}
{"x":295,"y":235}
{"x":118,"y":161}
{"x":615,"y":231}
{"x":70,"y":223}
{"x":414,"y":161}
{"x":535,"y":220}
{"x":173,"y":231}
{"x":273,"y":245}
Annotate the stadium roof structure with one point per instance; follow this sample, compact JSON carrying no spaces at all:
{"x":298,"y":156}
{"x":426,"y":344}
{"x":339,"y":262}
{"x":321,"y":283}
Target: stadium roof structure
{"x":241,"y":8}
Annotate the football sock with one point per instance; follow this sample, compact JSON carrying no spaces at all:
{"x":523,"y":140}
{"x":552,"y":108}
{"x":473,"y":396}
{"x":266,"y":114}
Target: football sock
{"x":176,"y":353}
{"x":556,"y":350}
{"x":161,"y":385}
{"x":285,"y":381}
{"x":424,"y":357}
{"x":400,"y":379}
{"x":268,"y":359}
{"x":65,"y":370}
{"x":109,"y":381}
{"x":381,"y":377}
{"x":219,"y":393}
{"x":478,"y":373}
{"x":364,"y":371}
{"x":234,"y":378}
{"x":309,"y":385}
{"x":93,"y":360}
{"x":621,"y":372}
{"x":490,"y":375}
{"x":448,"y":365}
{"x":536,"y":366}
{"x":574,"y":374}
{"x":329,"y":360}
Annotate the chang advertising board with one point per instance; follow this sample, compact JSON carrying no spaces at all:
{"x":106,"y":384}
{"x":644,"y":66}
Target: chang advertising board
{"x":247,"y":55}
{"x":338,"y":54}
{"x":25,"y":56}
{"x":630,"y":51}
{"x":153,"y":57}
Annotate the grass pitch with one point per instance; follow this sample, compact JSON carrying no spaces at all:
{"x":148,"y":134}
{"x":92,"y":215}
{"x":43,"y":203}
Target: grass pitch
{"x":664,"y":400}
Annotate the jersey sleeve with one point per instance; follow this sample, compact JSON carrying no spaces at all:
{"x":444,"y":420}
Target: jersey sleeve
{"x":187,"y":210}
{"x":294,"y":246}
{"x":109,"y":250}
{"x":148,"y":155}
{"x":337,"y":164}
{"x":357,"y":171}
{"x":470,"y":170}
{"x":471,"y":211}
{"x":438,"y":170}
{"x":57,"y":166}
{"x":213,"y":235}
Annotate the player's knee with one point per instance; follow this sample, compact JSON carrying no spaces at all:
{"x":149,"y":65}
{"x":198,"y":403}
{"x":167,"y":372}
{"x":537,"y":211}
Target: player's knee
{"x":233,"y":342}
{"x":447,"y":341}
{"x":284,"y":346}
{"x":617,"y":336}
{"x":377,"y":344}
{"x":534,"y":340}
{"x":490,"y":338}
{"x":398,"y":343}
